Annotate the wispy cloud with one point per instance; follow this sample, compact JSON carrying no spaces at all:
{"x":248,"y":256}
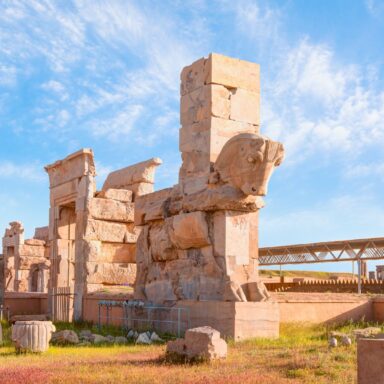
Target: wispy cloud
{"x":125,"y":54}
{"x":29,"y":172}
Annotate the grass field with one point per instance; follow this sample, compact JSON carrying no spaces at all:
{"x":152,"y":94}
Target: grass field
{"x":300,"y":355}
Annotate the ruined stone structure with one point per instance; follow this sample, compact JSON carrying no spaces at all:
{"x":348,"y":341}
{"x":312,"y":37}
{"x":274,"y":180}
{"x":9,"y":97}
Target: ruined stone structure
{"x":198,"y":239}
{"x":26,"y":262}
{"x":193,"y":245}
{"x":92,"y":236}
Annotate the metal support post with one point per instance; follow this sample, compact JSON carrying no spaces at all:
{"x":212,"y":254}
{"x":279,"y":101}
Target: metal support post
{"x":359,"y":276}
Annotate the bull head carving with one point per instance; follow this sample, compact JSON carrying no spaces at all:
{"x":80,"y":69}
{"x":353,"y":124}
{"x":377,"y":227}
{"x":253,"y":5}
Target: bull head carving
{"x":247,"y":161}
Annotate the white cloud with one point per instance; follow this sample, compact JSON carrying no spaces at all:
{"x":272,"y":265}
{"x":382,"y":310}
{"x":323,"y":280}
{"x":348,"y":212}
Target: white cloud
{"x":318,"y":106}
{"x":256,"y":22}
{"x":120,"y":125}
{"x":28,"y":172}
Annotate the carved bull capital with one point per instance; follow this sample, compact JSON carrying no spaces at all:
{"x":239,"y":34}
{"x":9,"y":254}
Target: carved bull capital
{"x":247,"y":162}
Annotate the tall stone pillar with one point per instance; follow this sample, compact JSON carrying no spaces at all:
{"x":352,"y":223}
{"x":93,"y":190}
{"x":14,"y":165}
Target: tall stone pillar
{"x":220,"y":98}
{"x":72,"y":185}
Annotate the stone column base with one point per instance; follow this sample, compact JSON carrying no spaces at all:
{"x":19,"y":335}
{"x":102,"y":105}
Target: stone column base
{"x":237,"y":320}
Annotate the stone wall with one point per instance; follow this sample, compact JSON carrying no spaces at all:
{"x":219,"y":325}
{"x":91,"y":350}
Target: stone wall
{"x":26,"y":262}
{"x":92,"y":233}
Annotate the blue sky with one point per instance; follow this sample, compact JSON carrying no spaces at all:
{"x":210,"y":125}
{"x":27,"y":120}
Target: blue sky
{"x":105,"y":74}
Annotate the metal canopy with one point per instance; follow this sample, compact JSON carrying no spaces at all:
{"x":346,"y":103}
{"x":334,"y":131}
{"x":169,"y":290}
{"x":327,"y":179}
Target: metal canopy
{"x":329,"y":251}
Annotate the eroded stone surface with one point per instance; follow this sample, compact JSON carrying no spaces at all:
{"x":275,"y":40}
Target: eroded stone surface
{"x":32,"y":336}
{"x":202,"y":343}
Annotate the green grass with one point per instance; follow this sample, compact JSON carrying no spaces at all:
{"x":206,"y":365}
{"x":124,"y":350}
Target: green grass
{"x":299,"y":355}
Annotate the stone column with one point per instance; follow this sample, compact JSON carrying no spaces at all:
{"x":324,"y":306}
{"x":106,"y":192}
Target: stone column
{"x":220,"y":98}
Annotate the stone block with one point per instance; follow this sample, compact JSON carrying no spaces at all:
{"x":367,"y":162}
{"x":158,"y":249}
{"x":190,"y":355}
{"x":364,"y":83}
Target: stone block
{"x":63,"y":192}
{"x":370,"y":354}
{"x":193,"y":76}
{"x":123,"y":195}
{"x":233,"y":73}
{"x":245,"y":106}
{"x":140,"y":189}
{"x":111,"y":273}
{"x":160,"y":243}
{"x":201,"y":343}
{"x":195,"y":163}
{"x":204,"y":102}
{"x":223,"y":130}
{"x":232,"y":237}
{"x":41,"y":233}
{"x":223,"y":70}
{"x":31,"y":250}
{"x":108,"y":231}
{"x":34,"y":242}
{"x":143,"y":172}
{"x":189,"y":230}
{"x":151,"y":206}
{"x":98,"y":251}
{"x":238,"y":320}
{"x":198,"y":141}
{"x":72,"y":167}
{"x":25,"y":262}
{"x":111,"y":210}
{"x":194,"y":184}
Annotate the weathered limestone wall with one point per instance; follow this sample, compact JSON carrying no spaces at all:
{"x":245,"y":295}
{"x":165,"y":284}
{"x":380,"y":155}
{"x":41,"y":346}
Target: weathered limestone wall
{"x":26,"y":262}
{"x":92,"y":234}
{"x":198,"y":239}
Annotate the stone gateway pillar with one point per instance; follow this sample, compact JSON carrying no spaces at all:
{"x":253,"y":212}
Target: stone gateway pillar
{"x":91,"y":233}
{"x":198,"y":245}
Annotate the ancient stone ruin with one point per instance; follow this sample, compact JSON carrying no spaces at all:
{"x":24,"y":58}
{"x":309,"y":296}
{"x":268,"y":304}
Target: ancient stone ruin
{"x":194,"y":244}
{"x":26,"y":262}
{"x":92,"y":235}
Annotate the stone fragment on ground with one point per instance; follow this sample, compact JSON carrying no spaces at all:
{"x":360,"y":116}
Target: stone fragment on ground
{"x":110,"y":339}
{"x":143,"y":338}
{"x":98,"y":339}
{"x":64,"y":337}
{"x":346,"y":341}
{"x":85,"y":334}
{"x":199,"y":344}
{"x":121,"y":340}
{"x":332,"y":342}
{"x":132,"y":334}
{"x":155,"y":338}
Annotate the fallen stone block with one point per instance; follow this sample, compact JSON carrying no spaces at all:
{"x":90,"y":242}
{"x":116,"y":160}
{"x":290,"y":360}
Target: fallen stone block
{"x":143,"y":339}
{"x":121,"y":340}
{"x":99,"y":339}
{"x":65,"y":337}
{"x":199,"y":344}
{"x":156,"y":338}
